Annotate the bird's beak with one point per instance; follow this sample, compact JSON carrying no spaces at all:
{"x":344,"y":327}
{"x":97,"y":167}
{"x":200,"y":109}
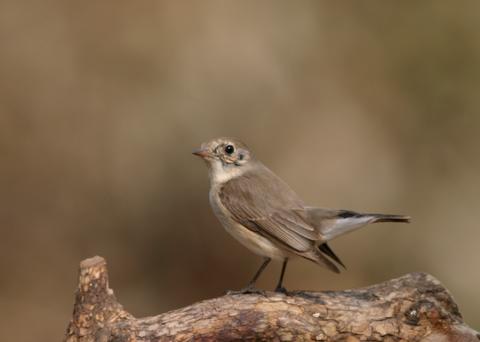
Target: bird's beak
{"x":204,"y":153}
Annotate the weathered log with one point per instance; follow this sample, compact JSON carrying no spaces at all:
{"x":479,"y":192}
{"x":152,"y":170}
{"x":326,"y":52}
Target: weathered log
{"x":415,"y":307}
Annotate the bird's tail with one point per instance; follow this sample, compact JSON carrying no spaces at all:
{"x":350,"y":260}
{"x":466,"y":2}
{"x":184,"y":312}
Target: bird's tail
{"x":332,"y":223}
{"x":389,"y":218}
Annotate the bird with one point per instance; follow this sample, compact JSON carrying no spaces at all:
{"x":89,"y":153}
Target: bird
{"x":265,"y":215}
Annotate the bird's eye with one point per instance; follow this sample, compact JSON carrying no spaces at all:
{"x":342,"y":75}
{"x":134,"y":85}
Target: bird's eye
{"x":229,"y":149}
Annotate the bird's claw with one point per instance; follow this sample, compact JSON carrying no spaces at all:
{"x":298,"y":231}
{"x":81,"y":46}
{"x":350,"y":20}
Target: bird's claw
{"x":246,"y":290}
{"x":281,"y":289}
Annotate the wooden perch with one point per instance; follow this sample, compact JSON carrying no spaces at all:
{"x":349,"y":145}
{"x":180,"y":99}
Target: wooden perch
{"x":415,"y":307}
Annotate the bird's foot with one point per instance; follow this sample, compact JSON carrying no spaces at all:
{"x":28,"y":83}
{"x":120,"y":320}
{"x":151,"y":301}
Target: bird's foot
{"x":281,"y":289}
{"x":246,"y":290}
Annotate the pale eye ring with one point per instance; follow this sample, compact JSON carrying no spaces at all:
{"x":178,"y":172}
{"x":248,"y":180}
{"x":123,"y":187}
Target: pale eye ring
{"x":229,"y":149}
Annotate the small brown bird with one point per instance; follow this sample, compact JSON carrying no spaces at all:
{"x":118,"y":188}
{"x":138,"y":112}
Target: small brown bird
{"x":264,"y":214}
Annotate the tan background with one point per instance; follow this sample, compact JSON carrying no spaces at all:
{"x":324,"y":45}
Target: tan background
{"x":372,"y":106}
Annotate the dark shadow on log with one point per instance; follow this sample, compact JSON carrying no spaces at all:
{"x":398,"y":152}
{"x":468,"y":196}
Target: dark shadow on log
{"x":415,"y":307}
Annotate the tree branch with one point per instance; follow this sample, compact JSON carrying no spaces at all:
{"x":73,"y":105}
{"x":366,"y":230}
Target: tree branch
{"x":415,"y":307}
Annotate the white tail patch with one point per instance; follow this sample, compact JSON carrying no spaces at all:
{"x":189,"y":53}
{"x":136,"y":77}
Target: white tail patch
{"x":340,"y":226}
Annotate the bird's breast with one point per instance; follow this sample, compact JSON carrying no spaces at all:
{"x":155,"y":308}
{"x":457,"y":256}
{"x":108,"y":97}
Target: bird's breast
{"x":252,"y":240}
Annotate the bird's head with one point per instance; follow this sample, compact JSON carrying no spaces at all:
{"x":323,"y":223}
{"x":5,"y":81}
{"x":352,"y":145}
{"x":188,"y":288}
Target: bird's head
{"x":226,"y":158}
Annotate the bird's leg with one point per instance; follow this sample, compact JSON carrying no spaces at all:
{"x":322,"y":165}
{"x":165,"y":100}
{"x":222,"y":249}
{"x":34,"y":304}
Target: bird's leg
{"x":250,"y":288}
{"x":279,"y":287}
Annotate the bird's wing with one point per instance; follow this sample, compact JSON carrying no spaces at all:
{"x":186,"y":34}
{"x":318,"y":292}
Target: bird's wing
{"x":265,"y":204}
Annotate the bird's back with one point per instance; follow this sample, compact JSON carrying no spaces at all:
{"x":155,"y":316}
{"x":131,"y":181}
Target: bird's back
{"x":266,"y":191}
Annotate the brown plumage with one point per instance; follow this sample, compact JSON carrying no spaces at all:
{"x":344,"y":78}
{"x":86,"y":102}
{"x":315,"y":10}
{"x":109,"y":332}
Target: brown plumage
{"x":267,"y":216}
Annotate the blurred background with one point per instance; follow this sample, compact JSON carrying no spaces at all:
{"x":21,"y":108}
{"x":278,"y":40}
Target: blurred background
{"x":371,"y":106}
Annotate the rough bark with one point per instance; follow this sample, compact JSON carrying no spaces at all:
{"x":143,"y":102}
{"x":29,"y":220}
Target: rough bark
{"x":415,"y":307}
